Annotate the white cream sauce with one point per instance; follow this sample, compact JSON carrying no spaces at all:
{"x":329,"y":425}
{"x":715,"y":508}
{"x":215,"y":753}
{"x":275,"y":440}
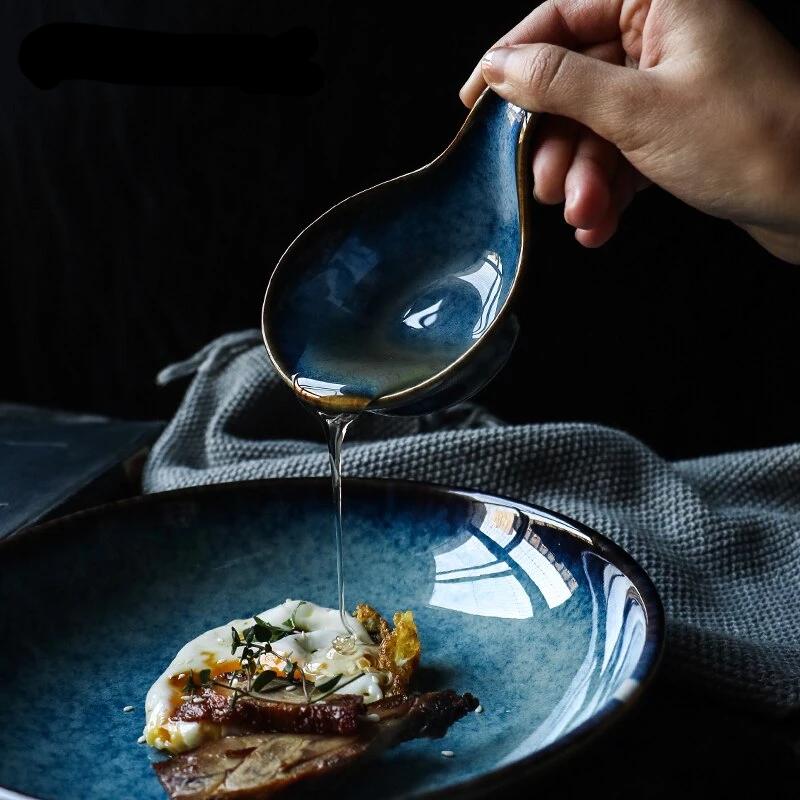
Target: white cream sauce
{"x":311,"y":650}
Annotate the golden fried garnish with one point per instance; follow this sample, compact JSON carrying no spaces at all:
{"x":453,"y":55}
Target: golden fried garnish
{"x":399,"y":652}
{"x":374,"y":624}
{"x":399,"y":649}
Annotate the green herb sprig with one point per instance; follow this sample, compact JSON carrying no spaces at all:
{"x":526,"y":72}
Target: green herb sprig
{"x":255,"y":641}
{"x":330,"y":686}
{"x":204,"y":676}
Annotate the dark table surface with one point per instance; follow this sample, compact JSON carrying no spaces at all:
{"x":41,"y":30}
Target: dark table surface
{"x":680,"y":742}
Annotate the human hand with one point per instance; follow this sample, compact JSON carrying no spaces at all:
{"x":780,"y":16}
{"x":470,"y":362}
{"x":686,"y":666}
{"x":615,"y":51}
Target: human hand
{"x":701,"y":98}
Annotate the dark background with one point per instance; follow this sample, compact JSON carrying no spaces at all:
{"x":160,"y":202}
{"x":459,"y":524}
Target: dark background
{"x":139,"y":222}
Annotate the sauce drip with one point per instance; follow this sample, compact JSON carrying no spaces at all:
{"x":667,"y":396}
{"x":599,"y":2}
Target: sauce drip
{"x":335,"y":427}
{"x":336,"y":411}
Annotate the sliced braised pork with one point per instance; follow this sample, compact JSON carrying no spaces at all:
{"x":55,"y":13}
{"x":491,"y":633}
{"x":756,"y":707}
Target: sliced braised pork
{"x":259,"y":765}
{"x":337,"y":714}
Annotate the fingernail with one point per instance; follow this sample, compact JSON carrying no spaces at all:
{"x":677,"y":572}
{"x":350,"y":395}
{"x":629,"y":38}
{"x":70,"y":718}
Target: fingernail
{"x":493,"y":64}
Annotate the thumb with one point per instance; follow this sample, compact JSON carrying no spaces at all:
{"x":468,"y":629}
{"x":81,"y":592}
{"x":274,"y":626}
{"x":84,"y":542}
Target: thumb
{"x":611,"y":100}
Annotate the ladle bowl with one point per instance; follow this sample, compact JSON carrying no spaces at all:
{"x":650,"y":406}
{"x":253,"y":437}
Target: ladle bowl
{"x":397,"y":299}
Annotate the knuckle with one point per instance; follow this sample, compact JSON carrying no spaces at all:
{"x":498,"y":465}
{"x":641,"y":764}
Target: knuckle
{"x":542,"y":68}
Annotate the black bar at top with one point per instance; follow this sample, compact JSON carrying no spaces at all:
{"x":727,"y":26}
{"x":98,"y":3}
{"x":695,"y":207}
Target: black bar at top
{"x":255,"y":62}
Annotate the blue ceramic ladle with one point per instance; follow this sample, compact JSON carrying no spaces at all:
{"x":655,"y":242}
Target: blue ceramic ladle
{"x":396,"y":299}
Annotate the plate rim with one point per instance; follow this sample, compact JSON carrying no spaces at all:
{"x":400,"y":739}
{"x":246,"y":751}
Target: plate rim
{"x":548,"y":756}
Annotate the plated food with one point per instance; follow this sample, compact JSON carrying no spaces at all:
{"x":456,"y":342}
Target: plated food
{"x":252,"y":707}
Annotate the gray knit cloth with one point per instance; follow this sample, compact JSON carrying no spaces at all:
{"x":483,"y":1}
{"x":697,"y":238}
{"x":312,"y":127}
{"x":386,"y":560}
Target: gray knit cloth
{"x":719,"y":536}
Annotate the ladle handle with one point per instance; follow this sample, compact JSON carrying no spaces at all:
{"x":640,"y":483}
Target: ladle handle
{"x":512,"y":127}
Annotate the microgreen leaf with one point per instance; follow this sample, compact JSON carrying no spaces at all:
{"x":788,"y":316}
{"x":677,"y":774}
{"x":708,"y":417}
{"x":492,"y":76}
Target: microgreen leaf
{"x":205,"y":676}
{"x":263,"y":679}
{"x":189,"y":687}
{"x":327,"y":685}
{"x":264,"y":631}
{"x":346,"y":683}
{"x":261,"y":634}
{"x":236,"y":642}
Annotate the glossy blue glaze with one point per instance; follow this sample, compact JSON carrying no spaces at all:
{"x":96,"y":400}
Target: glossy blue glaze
{"x":552,"y":627}
{"x":390,"y":287}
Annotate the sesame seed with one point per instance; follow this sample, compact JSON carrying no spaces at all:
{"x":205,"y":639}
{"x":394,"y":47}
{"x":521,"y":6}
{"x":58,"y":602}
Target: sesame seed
{"x":479,"y":709}
{"x":290,"y":688}
{"x":186,"y":697}
{"x":373,"y":717}
{"x":448,"y":753}
{"x":128,"y":708}
{"x":197,"y":699}
{"x":141,"y":740}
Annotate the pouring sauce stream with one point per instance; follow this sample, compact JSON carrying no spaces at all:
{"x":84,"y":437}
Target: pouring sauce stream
{"x":335,"y":428}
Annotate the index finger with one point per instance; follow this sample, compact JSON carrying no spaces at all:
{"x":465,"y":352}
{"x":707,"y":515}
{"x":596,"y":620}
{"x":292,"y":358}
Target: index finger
{"x":569,"y":23}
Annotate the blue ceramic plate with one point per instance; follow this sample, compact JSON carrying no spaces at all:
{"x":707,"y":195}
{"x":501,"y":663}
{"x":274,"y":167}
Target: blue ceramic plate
{"x":552,"y":626}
